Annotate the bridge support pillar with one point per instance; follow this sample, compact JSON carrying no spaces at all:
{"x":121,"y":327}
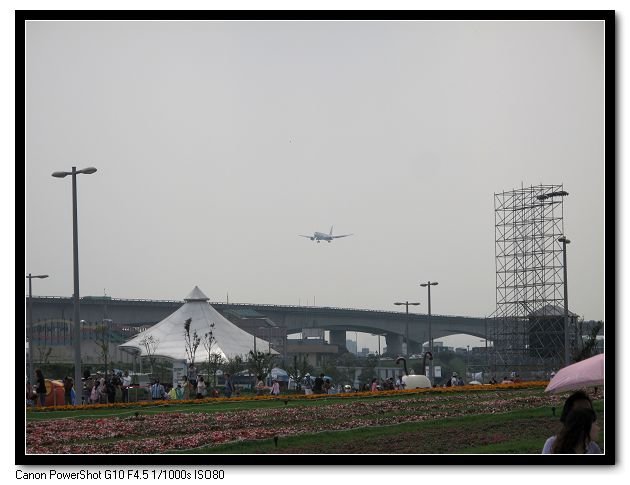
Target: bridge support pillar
{"x":394,"y":344}
{"x":338,"y":337}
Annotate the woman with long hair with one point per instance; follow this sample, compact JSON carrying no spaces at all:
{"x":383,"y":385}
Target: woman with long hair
{"x":577,"y":400}
{"x":578,"y":434}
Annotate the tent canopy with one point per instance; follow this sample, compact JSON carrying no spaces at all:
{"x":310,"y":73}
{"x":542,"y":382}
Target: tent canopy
{"x":230,"y":340}
{"x":279,"y":374}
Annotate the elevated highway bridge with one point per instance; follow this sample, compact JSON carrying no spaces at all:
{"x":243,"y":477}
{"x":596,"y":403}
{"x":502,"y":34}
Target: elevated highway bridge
{"x":134,"y":314}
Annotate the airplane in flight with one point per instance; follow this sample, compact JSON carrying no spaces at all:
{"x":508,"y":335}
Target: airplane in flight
{"x":320,"y":236}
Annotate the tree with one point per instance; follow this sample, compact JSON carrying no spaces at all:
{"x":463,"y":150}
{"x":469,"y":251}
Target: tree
{"x":260,"y":363}
{"x":369,"y":368}
{"x":44,"y":354}
{"x":233,"y":365}
{"x":346,"y":359}
{"x":215,"y":362}
{"x":298,"y":370}
{"x":371,"y":361}
{"x":343,"y":370}
{"x":191,"y":341}
{"x":102,"y":342}
{"x":208,"y":341}
{"x":150,"y":344}
{"x":588,"y":345}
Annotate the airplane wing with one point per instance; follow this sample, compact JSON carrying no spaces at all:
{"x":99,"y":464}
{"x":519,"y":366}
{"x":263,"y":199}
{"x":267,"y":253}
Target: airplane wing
{"x":301,"y":235}
{"x":343,"y":235}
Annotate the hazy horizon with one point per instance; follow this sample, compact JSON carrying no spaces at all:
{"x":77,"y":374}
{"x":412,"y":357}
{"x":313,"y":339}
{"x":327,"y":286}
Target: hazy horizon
{"x":218,"y":143}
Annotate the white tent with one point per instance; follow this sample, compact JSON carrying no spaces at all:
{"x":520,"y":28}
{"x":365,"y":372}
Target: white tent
{"x":230,"y":339}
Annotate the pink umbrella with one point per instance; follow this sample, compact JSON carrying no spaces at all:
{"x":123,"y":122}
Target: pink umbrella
{"x":589,"y":372}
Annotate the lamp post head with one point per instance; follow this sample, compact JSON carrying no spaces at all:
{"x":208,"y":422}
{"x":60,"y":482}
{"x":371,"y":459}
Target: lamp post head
{"x":424,"y":285}
{"x":38,"y":276}
{"x":87,"y":171}
{"x":563,"y":239}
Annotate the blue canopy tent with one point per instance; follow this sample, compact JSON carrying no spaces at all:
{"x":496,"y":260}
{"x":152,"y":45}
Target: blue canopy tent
{"x":279,"y":375}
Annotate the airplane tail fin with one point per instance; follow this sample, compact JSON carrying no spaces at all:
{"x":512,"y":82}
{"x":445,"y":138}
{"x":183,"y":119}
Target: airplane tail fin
{"x":331,"y":228}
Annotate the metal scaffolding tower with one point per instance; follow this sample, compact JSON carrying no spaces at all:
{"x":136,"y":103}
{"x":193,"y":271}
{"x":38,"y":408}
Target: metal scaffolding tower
{"x":529,"y":316}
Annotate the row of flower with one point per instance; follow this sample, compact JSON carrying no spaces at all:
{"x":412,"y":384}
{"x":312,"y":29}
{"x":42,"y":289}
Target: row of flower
{"x":170,"y":431}
{"x":293,"y":397}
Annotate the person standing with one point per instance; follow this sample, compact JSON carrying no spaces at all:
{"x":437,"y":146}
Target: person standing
{"x":374,"y":385}
{"x":102,"y":387}
{"x":275,"y":388}
{"x":454,"y":379}
{"x":201,"y":388}
{"x":192,"y":374}
{"x":157,"y":390}
{"x":126,"y":382}
{"x":319,"y":384}
{"x":95,"y":393}
{"x":189,"y":389}
{"x":327,"y":387}
{"x":308,"y":384}
{"x":110,"y":385}
{"x":30,"y":395}
{"x":40,"y":387}
{"x":67,"y":390}
{"x":260,"y":386}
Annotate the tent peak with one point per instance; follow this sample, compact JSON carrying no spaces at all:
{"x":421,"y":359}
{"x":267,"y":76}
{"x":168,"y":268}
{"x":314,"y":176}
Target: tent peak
{"x":196,"y":295}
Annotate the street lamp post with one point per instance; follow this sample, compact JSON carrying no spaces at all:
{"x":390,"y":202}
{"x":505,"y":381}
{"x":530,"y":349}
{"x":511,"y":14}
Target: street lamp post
{"x":406,"y":303}
{"x":428,"y":285}
{"x":107,"y":322}
{"x":75,"y":253}
{"x":468,"y":360}
{"x":565,"y":241}
{"x":30,"y":323}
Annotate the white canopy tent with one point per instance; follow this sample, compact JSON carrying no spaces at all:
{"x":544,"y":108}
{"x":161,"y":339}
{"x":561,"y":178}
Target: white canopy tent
{"x":230,"y":339}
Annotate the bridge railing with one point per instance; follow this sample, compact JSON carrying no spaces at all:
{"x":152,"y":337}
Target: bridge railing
{"x":249,"y":305}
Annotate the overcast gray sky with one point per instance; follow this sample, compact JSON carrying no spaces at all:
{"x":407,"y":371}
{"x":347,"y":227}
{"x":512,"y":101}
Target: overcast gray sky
{"x":217,"y":143}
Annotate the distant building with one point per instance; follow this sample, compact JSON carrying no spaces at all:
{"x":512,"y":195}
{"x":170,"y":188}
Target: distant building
{"x":351,"y":345}
{"x":364,"y":352}
{"x":315,"y":351}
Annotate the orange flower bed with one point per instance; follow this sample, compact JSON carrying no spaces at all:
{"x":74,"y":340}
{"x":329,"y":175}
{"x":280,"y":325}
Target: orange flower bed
{"x":295,"y":397}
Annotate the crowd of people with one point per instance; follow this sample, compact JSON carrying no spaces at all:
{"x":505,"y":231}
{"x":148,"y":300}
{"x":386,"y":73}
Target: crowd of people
{"x":115,"y":386}
{"x":188,"y":388}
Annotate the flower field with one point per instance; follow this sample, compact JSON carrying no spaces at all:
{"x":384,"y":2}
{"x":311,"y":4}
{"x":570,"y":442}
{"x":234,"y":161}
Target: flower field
{"x":167,"y":430}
